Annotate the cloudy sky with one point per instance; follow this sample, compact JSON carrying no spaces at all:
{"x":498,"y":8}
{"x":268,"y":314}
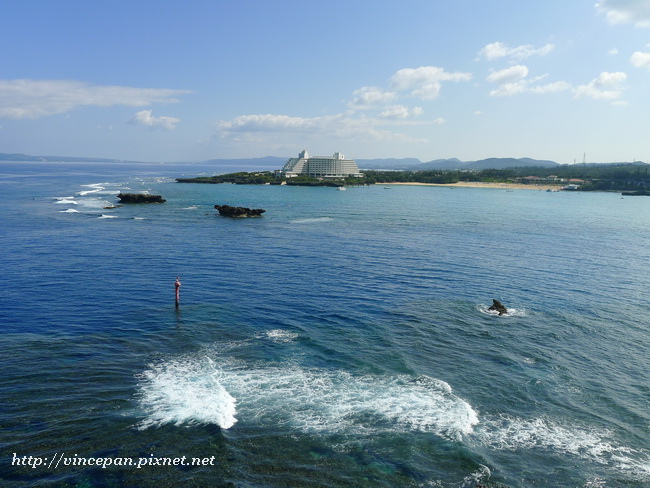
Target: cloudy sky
{"x":191,"y":80}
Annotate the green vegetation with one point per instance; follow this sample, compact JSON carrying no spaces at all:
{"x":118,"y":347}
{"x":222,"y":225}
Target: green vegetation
{"x":265,"y":178}
{"x":595,"y":177}
{"x":241,"y":178}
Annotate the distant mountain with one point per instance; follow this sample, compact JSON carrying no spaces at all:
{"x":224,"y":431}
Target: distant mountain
{"x":387,"y":163}
{"x":57,"y":159}
{"x":273,"y":162}
{"x":276,"y":162}
{"x":489,"y":163}
{"x":635,"y":163}
{"x":443,"y":164}
{"x":502,"y":163}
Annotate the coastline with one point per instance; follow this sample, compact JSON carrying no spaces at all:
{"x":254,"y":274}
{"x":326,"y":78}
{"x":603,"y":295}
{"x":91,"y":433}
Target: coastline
{"x":481,"y":184}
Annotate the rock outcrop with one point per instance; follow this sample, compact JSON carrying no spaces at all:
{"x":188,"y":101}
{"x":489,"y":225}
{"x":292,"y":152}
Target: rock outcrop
{"x":140,"y":198}
{"x":497,"y":306}
{"x":237,"y":212}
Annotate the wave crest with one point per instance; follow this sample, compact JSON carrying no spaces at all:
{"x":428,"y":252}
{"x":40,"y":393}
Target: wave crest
{"x":185,"y":393}
{"x":197,"y":391}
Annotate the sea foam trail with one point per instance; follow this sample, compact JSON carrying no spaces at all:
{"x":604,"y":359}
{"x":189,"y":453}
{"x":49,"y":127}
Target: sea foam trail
{"x":65,"y":201}
{"x":597,"y":446}
{"x":191,"y":391}
{"x":320,"y":401}
{"x":95,"y":189}
{"x":185,"y":393}
{"x":311,"y":220}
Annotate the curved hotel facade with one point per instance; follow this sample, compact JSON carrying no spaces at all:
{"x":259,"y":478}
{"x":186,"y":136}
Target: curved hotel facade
{"x":320,"y":166}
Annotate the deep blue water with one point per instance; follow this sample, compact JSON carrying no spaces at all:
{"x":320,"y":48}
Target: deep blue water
{"x":341,"y":340}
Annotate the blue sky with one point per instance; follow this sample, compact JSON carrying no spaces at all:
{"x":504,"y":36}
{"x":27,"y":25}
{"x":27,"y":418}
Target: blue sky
{"x":194,"y":80}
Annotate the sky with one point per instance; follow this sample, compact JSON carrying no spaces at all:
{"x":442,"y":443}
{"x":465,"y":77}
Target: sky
{"x":194,"y":80}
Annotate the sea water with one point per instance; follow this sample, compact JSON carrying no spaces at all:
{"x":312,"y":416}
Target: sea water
{"x":341,"y":340}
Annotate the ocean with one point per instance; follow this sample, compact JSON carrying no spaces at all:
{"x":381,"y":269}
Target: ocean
{"x":341,"y":340}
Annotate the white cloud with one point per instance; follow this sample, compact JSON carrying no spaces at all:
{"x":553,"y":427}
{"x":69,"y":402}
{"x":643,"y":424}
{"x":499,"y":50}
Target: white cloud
{"x":613,"y":51}
{"x":400,"y":112}
{"x":372,"y":115}
{"x":370,"y":97}
{"x":635,"y":12}
{"x":498,"y":50}
{"x":439,"y":121}
{"x":512,"y":81}
{"x":508,"y":75}
{"x":245,"y":128}
{"x":31,"y":99}
{"x":555,"y":87}
{"x":509,"y":89}
{"x":145,"y":118}
{"x":271,"y":123}
{"x":640,"y":60}
{"x":426,"y":81}
{"x":607,"y":86}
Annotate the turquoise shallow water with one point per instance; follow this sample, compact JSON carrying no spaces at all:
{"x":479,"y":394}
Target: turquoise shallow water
{"x":342,"y":340}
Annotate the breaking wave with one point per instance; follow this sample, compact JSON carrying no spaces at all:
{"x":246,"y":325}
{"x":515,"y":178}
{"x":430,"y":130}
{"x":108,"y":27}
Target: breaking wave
{"x":592,"y":444}
{"x":198,"y":391}
{"x":512,"y":312}
{"x":185,"y":393}
{"x":311,"y":220}
{"x":281,"y":335}
{"x":65,"y":201}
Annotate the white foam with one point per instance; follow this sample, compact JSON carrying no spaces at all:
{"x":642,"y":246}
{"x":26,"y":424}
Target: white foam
{"x":95,"y":185}
{"x":95,"y":189}
{"x":104,"y":216}
{"x":70,"y":210}
{"x":512,"y":312}
{"x":338,"y":402}
{"x":185,"y":392}
{"x":94,"y":203}
{"x":191,"y":207}
{"x":65,"y":201}
{"x":592,"y":444}
{"x":280,"y":335}
{"x":595,"y":483}
{"x":311,"y":220}
{"x":191,"y":391}
{"x":483,"y":473}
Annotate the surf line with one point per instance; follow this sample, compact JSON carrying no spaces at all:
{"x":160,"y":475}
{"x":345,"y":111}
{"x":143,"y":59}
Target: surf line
{"x":177,"y":285}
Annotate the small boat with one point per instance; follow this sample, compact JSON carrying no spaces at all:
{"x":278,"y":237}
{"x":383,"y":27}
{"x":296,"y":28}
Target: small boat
{"x":387,"y":188}
{"x":341,"y":188}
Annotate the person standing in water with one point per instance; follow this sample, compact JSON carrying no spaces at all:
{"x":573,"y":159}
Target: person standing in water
{"x":177,"y":285}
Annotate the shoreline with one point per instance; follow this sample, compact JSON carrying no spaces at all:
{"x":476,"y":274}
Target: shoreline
{"x":480,"y":184}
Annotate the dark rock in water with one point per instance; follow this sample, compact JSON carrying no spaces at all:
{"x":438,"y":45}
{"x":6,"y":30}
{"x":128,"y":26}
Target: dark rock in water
{"x":636,"y":193}
{"x":497,"y":306}
{"x":228,"y":211}
{"x":140,"y":198}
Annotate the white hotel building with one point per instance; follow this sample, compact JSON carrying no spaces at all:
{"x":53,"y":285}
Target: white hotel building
{"x":320,"y":166}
